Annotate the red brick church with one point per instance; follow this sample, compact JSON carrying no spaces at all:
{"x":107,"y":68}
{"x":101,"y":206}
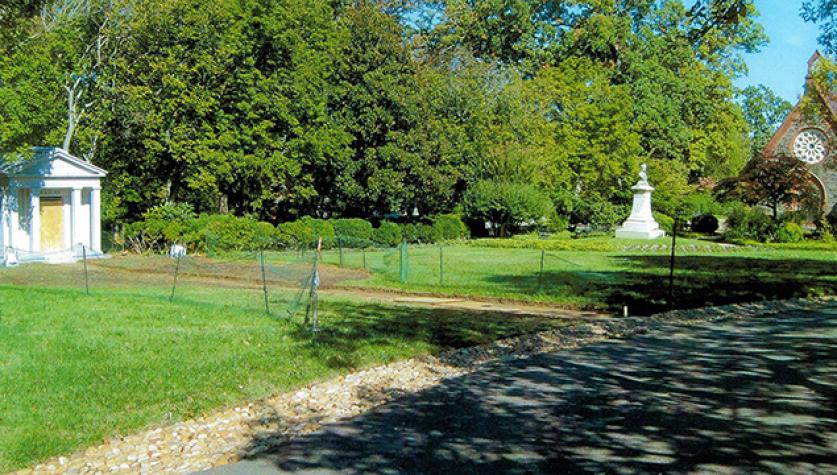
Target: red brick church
{"x":811,"y":137}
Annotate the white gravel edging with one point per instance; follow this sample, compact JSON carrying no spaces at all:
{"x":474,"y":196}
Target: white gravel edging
{"x":231,"y":434}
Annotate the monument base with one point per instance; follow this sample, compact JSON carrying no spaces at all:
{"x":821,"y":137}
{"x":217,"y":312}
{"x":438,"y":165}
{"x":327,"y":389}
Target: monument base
{"x":639,"y":230}
{"x":627,"y":234}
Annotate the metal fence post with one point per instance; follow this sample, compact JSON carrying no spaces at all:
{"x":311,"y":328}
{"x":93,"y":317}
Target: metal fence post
{"x":315,"y":284}
{"x":403,"y":262}
{"x":363,"y":251}
{"x":671,"y":263}
{"x":264,"y":284}
{"x":441,"y":267}
{"x":176,"y":271}
{"x":540,"y":273}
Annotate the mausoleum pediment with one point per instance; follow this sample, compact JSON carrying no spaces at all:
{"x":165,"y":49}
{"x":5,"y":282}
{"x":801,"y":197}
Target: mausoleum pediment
{"x":52,"y":163}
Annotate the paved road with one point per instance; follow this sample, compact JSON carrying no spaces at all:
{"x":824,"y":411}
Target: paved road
{"x":733,"y":396}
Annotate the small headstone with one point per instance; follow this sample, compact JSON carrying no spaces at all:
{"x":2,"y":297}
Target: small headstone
{"x":11,"y":258}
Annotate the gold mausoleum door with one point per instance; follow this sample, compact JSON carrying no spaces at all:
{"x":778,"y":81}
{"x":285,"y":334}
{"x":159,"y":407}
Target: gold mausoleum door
{"x":52,"y":224}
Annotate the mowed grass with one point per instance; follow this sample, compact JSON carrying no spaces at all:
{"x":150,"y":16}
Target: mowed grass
{"x":636,"y":274}
{"x":76,"y":369}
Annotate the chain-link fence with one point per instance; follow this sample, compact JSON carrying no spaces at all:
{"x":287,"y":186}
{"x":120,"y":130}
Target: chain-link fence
{"x":284,"y":283}
{"x":278,"y":284}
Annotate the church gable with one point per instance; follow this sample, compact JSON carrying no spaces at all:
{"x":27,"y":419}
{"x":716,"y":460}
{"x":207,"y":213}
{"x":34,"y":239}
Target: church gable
{"x":812,"y":139}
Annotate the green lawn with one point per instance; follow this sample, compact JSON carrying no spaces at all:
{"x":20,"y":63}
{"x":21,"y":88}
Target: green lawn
{"x":77,"y":368}
{"x":626,"y":273}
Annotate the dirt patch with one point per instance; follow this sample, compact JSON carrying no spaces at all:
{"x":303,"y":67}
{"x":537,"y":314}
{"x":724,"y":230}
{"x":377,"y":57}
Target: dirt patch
{"x":133,"y":271}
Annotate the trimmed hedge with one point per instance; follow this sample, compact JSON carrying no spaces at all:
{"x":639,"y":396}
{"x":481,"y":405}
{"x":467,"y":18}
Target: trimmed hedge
{"x":418,"y":233}
{"x":602,"y":244}
{"x":225,"y":232}
{"x":387,"y":235}
{"x":305,"y":232}
{"x":352,"y":227}
{"x":170,"y":224}
{"x":449,"y":227}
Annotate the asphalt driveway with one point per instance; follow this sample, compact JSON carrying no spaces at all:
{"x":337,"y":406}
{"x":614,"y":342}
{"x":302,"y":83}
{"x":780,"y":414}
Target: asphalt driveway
{"x":730,"y":396}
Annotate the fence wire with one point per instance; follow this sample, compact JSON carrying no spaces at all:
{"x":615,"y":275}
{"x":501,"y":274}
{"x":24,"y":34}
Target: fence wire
{"x":283,"y":283}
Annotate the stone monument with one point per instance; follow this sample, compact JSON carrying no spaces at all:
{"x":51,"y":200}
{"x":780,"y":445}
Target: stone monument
{"x":641,"y":223}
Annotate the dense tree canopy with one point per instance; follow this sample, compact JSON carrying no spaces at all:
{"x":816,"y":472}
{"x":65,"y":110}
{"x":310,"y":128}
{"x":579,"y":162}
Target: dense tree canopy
{"x":286,"y":108}
{"x":824,"y":14}
{"x":764,"y":112}
{"x":773,"y":182}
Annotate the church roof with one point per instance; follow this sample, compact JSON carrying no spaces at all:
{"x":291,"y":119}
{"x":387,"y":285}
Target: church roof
{"x":829,"y":98}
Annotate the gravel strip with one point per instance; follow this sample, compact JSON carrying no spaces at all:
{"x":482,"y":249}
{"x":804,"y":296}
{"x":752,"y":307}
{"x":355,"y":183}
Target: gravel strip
{"x":232,"y":434}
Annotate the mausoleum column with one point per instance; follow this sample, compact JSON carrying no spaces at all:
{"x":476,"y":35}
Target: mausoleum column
{"x":35,"y":220}
{"x":3,"y":225}
{"x":12,"y":215}
{"x":76,"y":232}
{"x":96,"y":219}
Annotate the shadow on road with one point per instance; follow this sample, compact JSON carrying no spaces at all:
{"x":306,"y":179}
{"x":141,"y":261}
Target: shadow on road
{"x":752,"y":395}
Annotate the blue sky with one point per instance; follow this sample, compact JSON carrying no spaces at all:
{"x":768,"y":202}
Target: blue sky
{"x":782,"y":64}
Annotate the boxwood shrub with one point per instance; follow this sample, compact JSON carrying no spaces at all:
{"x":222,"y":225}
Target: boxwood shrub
{"x":449,"y":227}
{"x":387,"y":235}
{"x":352,"y":232}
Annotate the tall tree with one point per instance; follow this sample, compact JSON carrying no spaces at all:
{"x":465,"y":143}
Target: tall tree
{"x":374,"y":81}
{"x":220,"y":103}
{"x":764,"y":112}
{"x":824,"y":14}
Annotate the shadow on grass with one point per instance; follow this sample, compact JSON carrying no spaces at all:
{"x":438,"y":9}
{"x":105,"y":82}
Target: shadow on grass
{"x":698,"y":281}
{"x":348,"y":328}
{"x":753,"y":396}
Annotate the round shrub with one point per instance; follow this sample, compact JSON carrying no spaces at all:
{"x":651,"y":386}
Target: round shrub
{"x":426,"y":234}
{"x":790,"y":232}
{"x":225,"y":232}
{"x":599,"y":213}
{"x":409,"y":232}
{"x":448,"y":227}
{"x":181,"y":212}
{"x":294,"y":233}
{"x":352,"y":232}
{"x":705,"y":223}
{"x":666,"y":222}
{"x":320,"y":229}
{"x":506,"y":206}
{"x":305,"y":232}
{"x":747,"y":223}
{"x":387,"y":235}
{"x":418,"y":233}
{"x":160,"y":227}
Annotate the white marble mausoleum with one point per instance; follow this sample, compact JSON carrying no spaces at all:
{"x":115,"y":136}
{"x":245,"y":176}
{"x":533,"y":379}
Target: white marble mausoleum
{"x":50,"y":208}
